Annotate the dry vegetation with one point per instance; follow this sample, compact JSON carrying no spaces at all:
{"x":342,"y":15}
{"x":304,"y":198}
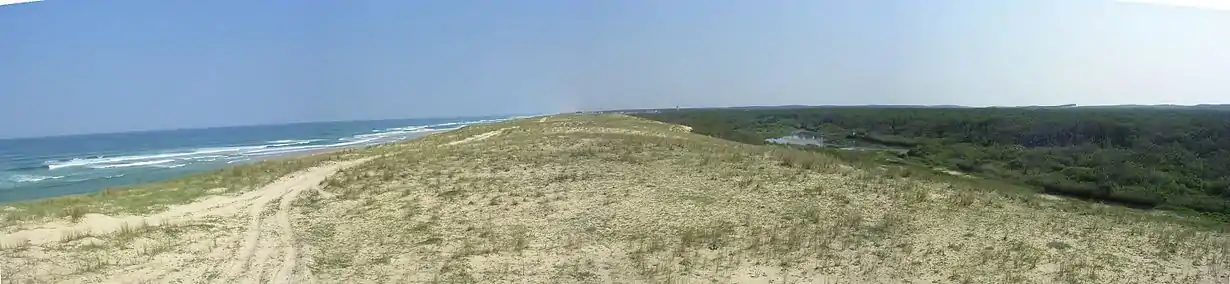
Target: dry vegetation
{"x":142,"y":199}
{"x":618,"y":199}
{"x":611,"y":198}
{"x":162,"y":232}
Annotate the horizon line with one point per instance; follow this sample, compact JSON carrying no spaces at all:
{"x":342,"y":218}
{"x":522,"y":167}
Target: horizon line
{"x":244,"y":125}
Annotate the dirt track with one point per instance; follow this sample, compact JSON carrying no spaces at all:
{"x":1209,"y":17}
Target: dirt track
{"x":270,"y":235}
{"x":259,"y":245}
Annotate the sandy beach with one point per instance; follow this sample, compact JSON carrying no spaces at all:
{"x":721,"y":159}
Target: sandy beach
{"x":585,"y":199}
{"x":246,"y":253}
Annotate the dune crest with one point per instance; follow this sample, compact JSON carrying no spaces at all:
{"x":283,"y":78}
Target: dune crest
{"x":611,"y":198}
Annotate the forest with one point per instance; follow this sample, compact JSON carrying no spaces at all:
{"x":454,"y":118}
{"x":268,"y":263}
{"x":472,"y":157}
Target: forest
{"x":1163,"y":158}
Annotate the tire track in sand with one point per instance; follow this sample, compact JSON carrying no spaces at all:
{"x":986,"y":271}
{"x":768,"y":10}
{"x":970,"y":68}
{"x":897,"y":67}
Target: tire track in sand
{"x":290,"y":254}
{"x":255,"y":242}
{"x":251,"y":261}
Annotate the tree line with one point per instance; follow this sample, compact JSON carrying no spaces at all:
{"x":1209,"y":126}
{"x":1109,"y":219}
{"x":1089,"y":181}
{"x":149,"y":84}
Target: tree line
{"x":1176,"y":159}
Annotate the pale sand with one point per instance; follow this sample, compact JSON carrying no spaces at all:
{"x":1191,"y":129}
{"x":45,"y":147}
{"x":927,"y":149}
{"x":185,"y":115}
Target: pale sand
{"x":590,"y":199}
{"x":264,"y":251}
{"x":479,"y":137}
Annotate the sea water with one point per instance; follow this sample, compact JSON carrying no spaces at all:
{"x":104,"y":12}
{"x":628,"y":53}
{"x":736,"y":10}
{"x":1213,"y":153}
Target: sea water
{"x":32,"y":168}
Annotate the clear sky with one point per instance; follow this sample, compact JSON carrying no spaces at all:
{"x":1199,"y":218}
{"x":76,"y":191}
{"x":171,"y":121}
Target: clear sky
{"x":102,"y":66}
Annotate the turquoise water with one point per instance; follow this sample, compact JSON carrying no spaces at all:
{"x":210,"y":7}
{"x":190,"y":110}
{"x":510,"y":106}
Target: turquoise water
{"x":32,"y":168}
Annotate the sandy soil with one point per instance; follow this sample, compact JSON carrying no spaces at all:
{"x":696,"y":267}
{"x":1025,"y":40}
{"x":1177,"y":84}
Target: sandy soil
{"x":610,"y":199}
{"x":245,"y":238}
{"x":479,"y":137}
{"x":614,"y":199}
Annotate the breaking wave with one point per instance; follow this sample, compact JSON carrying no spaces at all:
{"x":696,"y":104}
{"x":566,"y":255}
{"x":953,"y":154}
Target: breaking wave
{"x":231,"y":154}
{"x":23,"y":178}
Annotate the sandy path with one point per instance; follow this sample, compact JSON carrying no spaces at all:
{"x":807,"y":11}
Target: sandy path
{"x":260,"y":248}
{"x":290,"y":255}
{"x":479,"y":137}
{"x":268,"y":235}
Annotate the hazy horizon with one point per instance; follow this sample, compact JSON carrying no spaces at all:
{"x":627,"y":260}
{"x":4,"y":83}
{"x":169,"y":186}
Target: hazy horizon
{"x":492,"y":116}
{"x":511,"y":115}
{"x":98,"y":67}
{"x":528,"y":114}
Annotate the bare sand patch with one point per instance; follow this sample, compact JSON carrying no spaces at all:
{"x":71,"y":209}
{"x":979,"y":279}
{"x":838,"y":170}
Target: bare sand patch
{"x":1050,"y":197}
{"x":479,"y":137}
{"x":951,"y":172}
{"x":243,"y":238}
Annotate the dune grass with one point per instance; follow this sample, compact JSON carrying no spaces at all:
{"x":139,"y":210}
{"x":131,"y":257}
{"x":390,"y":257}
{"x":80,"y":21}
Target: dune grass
{"x":610,"y":198}
{"x":146,"y":198}
{"x":578,"y":198}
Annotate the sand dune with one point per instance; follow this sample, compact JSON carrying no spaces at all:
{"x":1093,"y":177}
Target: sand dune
{"x":608,"y":198}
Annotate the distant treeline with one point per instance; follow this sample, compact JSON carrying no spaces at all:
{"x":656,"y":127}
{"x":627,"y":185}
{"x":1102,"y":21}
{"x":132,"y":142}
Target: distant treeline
{"x":1168,"y":158}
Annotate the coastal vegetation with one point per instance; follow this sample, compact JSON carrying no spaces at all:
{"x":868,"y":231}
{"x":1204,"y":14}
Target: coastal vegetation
{"x":1166,"y":158}
{"x":613,"y":198}
{"x":147,"y":198}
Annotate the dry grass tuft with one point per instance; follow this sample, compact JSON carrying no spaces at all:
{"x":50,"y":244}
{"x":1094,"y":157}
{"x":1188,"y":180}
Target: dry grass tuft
{"x":72,"y":235}
{"x":75,"y":213}
{"x":147,"y":198}
{"x":610,"y":198}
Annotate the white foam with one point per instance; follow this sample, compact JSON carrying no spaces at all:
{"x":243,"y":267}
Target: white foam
{"x":170,"y":166}
{"x":284,"y":150}
{"x":400,"y":133}
{"x":220,"y":150}
{"x":134,"y":164}
{"x":270,"y":148}
{"x":387,"y":135}
{"x":290,"y":142}
{"x":22,"y":178}
{"x":368,"y":136}
{"x":271,"y":153}
{"x":467,"y":122}
{"x":88,"y":162}
{"x":200,"y":153}
{"x":415,"y":128}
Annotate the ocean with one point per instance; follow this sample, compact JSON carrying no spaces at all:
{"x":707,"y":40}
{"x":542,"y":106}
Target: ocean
{"x":32,"y":168}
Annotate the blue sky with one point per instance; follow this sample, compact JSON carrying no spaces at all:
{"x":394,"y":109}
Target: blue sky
{"x":103,"y":66}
